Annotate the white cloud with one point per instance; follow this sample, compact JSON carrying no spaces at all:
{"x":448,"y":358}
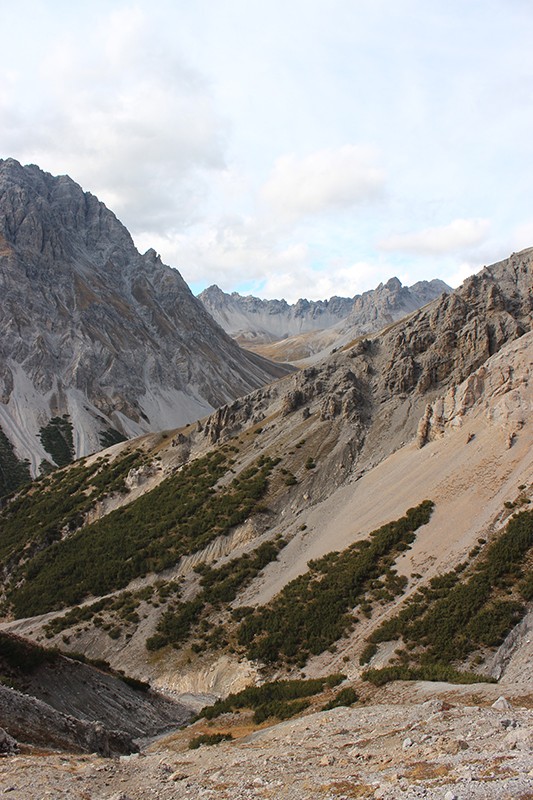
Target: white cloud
{"x":522,"y":236}
{"x":125,"y":117}
{"x":461,"y":273}
{"x":234,"y":251}
{"x":127,"y":97}
{"x":327,"y":180}
{"x":241,"y":252}
{"x":458,"y":235}
{"x":313,"y":284}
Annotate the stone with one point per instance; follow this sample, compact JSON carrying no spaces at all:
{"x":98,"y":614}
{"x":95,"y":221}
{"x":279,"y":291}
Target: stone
{"x":178,"y":776}
{"x":520,"y":739}
{"x":8,"y":745}
{"x":502,"y":704}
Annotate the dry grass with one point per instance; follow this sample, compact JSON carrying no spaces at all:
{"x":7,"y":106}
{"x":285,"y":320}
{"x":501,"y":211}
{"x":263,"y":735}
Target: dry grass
{"x":347,"y":788}
{"x":427,"y":771}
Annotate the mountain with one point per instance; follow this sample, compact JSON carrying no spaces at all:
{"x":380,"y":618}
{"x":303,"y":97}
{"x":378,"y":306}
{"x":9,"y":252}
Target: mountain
{"x":362,"y":528}
{"x":250,"y":319}
{"x":98,"y":342}
{"x":275,"y":462}
{"x":256,"y":323}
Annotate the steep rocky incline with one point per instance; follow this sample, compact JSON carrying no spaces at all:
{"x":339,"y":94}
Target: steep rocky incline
{"x":382,"y":380}
{"x":435,"y":408}
{"x":31,"y":721}
{"x":93,"y":330}
{"x":253,"y":321}
{"x":49,"y":700}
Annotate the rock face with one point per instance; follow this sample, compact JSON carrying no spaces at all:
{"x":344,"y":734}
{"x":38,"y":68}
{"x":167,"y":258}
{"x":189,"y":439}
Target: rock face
{"x":345,"y":432}
{"x":33,"y":722}
{"x":94,"y":330}
{"x":65,"y":704}
{"x":437,"y":347}
{"x":254,"y":321}
{"x":388,"y":303}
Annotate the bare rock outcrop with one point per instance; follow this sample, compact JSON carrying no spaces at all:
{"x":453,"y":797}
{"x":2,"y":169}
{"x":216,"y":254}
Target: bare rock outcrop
{"x":32,"y":721}
{"x":8,"y":745}
{"x":493,"y":389}
{"x":447,"y":341}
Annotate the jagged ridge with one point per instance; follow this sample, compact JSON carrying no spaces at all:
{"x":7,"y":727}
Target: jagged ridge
{"x":251,"y":320}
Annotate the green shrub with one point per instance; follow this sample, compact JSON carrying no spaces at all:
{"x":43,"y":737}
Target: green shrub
{"x":345,"y":697}
{"x":279,"y":709}
{"x":56,"y":438}
{"x":525,"y":587}
{"x":43,"y":510}
{"x":134,"y":683}
{"x":208,"y":738}
{"x":219,"y":586}
{"x":430,"y":672}
{"x":313,"y":611}
{"x":268,"y":695}
{"x":181,"y":515}
{"x":111,"y":436}
{"x":14,"y":472}
{"x":368,"y":653}
{"x":20,"y":654}
{"x":457,"y":614}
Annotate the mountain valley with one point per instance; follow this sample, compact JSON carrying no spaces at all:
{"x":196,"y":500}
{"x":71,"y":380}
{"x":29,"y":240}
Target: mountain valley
{"x":333,"y":569}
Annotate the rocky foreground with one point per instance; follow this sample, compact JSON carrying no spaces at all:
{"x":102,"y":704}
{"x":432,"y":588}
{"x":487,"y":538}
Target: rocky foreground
{"x":434,"y":750}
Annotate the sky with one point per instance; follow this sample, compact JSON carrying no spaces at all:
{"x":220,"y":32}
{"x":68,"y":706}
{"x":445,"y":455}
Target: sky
{"x":285,"y":148}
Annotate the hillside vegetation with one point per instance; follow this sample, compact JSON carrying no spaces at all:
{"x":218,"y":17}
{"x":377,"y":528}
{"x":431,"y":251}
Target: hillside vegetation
{"x":314,"y":611}
{"x":13,"y":472}
{"x":463,"y":611}
{"x":181,"y":515}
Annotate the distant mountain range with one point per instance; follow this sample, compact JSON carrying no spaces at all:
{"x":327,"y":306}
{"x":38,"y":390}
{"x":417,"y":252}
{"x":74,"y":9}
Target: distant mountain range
{"x":254,"y":322}
{"x":98,"y":342}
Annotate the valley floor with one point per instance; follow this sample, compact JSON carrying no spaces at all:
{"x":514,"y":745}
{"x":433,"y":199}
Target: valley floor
{"x":433,"y":749}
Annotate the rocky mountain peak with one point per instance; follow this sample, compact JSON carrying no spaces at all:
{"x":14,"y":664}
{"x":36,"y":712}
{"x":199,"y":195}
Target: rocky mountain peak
{"x":92,"y":331}
{"x":53,"y":216}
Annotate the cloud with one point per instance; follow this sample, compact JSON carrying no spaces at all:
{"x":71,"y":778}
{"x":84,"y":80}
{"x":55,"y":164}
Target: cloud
{"x":239,"y":253}
{"x":125,"y":117}
{"x":324,"y":181}
{"x":522,"y":236}
{"x":233,"y":251}
{"x":461,"y":272}
{"x":312,"y":284}
{"x":458,"y":235}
